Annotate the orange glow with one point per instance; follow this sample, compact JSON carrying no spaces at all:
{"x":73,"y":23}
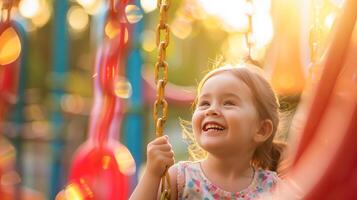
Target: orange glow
{"x":73,"y":192}
{"x":287,"y":74}
{"x":106,"y":162}
{"x":10,"y":46}
{"x":112,"y":30}
{"x":125,"y":160}
{"x":287,"y":83}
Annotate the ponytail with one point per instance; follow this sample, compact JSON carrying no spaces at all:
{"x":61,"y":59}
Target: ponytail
{"x":278,"y":160}
{"x":271,"y":156}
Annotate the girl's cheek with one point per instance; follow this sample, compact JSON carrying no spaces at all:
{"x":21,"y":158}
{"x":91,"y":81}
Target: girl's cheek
{"x":195,"y":120}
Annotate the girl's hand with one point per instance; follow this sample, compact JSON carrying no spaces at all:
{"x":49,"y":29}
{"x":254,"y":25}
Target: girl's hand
{"x":159,"y":156}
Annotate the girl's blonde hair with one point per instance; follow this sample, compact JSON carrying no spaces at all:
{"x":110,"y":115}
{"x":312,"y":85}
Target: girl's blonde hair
{"x":267,"y":155}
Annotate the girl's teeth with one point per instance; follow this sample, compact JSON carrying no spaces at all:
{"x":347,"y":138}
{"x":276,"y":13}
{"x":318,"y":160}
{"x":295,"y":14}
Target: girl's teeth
{"x":214,"y":127}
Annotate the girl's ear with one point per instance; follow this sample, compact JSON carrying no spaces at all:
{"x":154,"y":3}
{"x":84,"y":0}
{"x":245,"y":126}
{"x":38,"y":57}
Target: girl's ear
{"x":264,"y":132}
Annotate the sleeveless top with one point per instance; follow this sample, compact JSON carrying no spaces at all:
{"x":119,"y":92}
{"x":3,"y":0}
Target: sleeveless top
{"x":193,"y":184}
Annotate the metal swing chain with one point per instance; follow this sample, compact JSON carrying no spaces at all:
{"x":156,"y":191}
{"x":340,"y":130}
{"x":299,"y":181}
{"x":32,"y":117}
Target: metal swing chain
{"x":248,"y":34}
{"x":249,"y":39}
{"x":161,"y":77}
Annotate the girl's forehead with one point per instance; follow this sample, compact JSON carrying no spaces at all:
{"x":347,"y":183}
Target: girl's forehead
{"x":224,"y":82}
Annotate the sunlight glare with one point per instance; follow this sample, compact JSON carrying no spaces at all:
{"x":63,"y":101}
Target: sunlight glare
{"x":148,"y":5}
{"x":29,"y":8}
{"x":262,"y":29}
{"x":43,"y":15}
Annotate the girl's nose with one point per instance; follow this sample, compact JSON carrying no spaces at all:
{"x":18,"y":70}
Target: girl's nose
{"x":212,"y":110}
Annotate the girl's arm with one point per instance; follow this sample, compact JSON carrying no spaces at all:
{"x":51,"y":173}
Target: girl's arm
{"x":159,"y":157}
{"x":147,"y":188}
{"x":173,"y":181}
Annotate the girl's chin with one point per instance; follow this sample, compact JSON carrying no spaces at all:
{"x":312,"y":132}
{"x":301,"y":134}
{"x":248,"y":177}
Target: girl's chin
{"x":210,"y":144}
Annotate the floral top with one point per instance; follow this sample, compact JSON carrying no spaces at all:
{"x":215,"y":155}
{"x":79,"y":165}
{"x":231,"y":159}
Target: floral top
{"x":193,"y":184}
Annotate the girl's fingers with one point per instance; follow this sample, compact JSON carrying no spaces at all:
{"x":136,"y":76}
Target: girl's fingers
{"x":155,"y":151}
{"x":168,"y":154}
{"x":163,"y":147}
{"x":161,"y":140}
{"x":167,"y":162}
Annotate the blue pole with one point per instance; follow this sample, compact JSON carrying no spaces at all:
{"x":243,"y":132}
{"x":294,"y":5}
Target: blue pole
{"x":133,"y":126}
{"x":60,"y":66}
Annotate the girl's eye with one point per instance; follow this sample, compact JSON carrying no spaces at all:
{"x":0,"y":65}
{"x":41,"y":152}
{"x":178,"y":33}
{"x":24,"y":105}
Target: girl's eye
{"x":203,"y":103}
{"x":229,"y":103}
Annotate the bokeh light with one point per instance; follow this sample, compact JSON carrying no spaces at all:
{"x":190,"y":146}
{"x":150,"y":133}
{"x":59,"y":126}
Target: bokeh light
{"x":86,"y":3}
{"x":72,"y":103}
{"x":112,"y":30}
{"x":148,"y":5}
{"x":133,"y":13}
{"x":29,"y":8}
{"x":43,"y":15}
{"x":92,"y":7}
{"x":181,"y":28}
{"x":10,"y":46}
{"x":122,"y":88}
{"x":77,"y":18}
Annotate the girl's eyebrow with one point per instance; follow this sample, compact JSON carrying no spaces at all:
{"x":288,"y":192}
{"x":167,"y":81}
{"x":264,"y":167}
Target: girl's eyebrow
{"x":232,"y":95}
{"x":204,"y":96}
{"x":225,"y":95}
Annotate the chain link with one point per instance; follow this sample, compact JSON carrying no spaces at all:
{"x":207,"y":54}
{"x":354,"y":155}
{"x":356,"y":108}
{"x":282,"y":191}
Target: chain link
{"x":249,"y":40}
{"x":161,"y":78}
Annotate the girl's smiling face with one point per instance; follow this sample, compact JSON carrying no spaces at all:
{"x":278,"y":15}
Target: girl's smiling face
{"x":225,"y":119}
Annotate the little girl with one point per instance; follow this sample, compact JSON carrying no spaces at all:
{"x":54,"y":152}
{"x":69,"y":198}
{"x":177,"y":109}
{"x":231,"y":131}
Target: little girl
{"x":234,"y":121}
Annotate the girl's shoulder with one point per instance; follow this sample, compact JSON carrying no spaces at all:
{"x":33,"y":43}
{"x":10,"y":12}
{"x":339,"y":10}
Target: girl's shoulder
{"x":265,"y":180}
{"x":186,"y":164}
{"x":187,"y":172}
{"x":190,"y":167}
